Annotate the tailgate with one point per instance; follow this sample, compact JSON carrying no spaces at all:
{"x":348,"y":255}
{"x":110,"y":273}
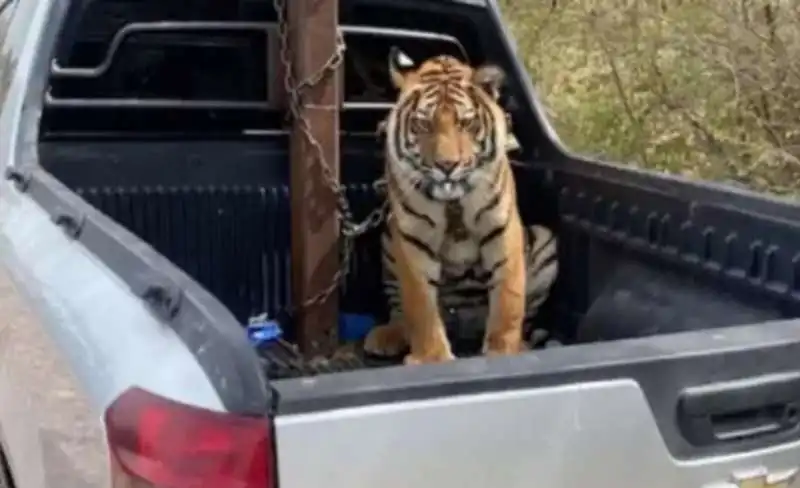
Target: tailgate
{"x":714,"y":408}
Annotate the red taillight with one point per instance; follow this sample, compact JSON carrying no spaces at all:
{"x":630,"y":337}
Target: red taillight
{"x":172,"y":445}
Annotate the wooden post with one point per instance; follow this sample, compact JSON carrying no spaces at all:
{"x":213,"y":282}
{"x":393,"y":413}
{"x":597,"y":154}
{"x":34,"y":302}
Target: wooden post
{"x":315,"y":229}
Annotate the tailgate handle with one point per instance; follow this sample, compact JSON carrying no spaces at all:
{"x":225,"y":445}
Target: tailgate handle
{"x":741,"y":409}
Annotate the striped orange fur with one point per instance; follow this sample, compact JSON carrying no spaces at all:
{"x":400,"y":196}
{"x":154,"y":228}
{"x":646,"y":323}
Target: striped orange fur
{"x":455,"y":239}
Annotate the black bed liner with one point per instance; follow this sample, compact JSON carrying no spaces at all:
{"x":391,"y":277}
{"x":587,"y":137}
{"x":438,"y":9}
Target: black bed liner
{"x":630,"y":254}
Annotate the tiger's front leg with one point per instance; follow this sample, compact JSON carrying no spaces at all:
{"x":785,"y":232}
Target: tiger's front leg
{"x":418,"y":274}
{"x":504,"y":255}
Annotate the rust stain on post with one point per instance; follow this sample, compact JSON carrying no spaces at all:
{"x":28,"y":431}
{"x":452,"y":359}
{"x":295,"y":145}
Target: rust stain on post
{"x":315,"y":230}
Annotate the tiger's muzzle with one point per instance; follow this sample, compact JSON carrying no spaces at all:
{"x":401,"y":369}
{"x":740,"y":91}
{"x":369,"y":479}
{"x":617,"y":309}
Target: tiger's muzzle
{"x":448,"y":180}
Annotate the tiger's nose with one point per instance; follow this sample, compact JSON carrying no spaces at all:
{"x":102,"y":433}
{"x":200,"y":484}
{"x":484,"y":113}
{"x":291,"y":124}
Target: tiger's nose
{"x":447,"y":166}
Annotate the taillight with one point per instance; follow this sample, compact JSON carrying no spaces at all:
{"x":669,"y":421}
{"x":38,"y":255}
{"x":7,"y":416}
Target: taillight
{"x":171,"y":445}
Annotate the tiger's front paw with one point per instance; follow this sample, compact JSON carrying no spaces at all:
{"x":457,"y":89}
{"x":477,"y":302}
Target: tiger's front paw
{"x":433,"y":351}
{"x":503,"y":344}
{"x":430,"y":358}
{"x":387,"y":340}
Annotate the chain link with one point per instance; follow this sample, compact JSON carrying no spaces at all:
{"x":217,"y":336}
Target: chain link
{"x":349,"y":227}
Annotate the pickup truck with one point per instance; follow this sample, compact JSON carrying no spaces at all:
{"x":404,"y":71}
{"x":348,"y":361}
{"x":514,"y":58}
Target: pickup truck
{"x":144,"y":218}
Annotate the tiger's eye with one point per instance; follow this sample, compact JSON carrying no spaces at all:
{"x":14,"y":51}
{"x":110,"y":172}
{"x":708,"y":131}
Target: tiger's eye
{"x":420,"y":123}
{"x":468,"y":121}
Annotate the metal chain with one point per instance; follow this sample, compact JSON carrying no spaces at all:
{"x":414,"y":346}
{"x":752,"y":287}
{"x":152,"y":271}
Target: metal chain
{"x":350,"y":229}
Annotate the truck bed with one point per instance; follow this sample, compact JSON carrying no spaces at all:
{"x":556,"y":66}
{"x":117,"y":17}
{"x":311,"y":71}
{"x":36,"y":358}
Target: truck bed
{"x":639,"y":255}
{"x":201,"y":173}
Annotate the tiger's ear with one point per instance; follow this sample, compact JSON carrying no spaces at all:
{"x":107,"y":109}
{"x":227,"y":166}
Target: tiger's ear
{"x":512,"y":143}
{"x":490,"y":78}
{"x":399,"y":66}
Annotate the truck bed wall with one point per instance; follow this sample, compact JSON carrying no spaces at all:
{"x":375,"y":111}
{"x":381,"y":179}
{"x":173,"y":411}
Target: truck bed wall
{"x":631,"y":257}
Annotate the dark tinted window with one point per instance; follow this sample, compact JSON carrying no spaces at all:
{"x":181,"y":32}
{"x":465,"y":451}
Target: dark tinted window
{"x":207,"y":67}
{"x":168,"y":67}
{"x":205,"y":64}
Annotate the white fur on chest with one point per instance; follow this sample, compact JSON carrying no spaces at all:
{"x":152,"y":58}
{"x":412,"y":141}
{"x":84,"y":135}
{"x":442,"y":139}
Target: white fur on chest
{"x":460,"y":255}
{"x":455,"y":255}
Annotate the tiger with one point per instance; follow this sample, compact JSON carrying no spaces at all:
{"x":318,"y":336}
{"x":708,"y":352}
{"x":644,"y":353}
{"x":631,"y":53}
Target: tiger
{"x":455,"y":239}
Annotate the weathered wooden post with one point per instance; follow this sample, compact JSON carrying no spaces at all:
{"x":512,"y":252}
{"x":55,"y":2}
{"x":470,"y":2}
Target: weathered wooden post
{"x":315,"y":230}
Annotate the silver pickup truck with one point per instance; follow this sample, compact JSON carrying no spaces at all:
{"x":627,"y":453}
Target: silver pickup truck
{"x":144,"y":218}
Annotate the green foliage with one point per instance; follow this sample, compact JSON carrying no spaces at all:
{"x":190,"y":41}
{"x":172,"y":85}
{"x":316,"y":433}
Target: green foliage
{"x":706,"y":88}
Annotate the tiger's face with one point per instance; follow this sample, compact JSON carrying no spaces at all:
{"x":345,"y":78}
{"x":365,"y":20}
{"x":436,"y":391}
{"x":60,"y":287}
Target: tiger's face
{"x":446,"y":126}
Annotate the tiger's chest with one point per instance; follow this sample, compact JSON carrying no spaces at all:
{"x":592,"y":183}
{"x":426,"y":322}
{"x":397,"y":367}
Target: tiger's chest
{"x":458,"y":256}
{"x":460,"y":248}
{"x":453,"y":231}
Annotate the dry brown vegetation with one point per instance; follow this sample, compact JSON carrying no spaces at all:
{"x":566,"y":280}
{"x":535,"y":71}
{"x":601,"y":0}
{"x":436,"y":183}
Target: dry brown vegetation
{"x":706,"y":88}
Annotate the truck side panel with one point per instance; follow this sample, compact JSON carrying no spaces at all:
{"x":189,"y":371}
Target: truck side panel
{"x":72,"y":335}
{"x":587,"y":434}
{"x":48,"y":429}
{"x":62,"y":366}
